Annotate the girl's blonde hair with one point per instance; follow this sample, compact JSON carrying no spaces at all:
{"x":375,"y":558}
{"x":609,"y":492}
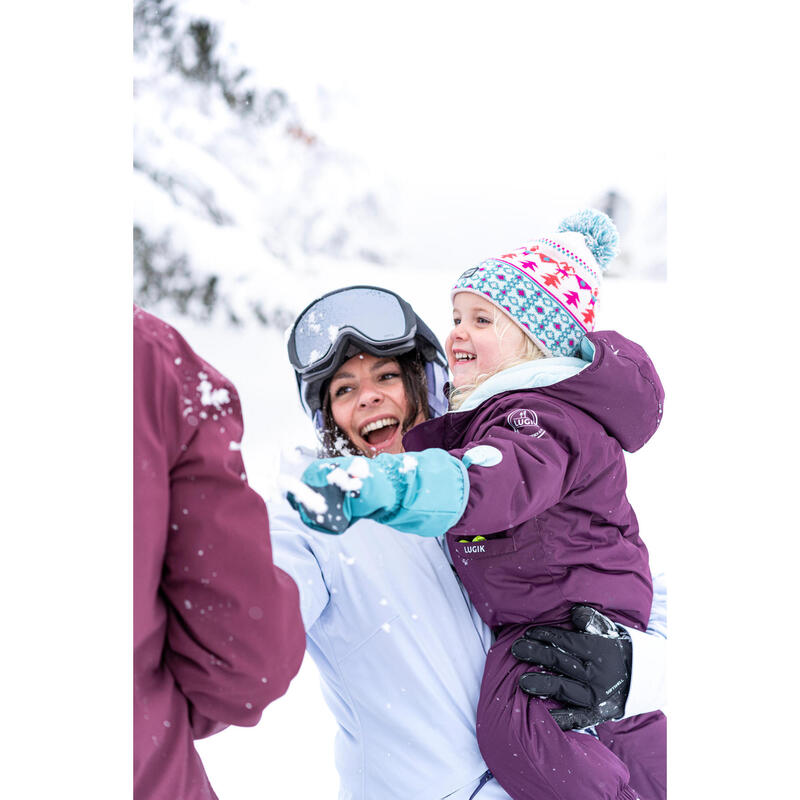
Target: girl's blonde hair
{"x":528,"y":351}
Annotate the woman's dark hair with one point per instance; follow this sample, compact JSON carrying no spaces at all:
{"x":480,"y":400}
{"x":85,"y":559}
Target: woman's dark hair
{"x":334,"y":441}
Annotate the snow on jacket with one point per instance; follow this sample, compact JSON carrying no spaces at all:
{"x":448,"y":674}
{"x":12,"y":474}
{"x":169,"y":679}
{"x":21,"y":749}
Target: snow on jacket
{"x":557,"y":524}
{"x":217,"y":627}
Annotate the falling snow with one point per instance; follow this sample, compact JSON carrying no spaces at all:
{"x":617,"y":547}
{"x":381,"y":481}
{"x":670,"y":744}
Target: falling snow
{"x":359,"y":467}
{"x":409,"y":463}
{"x":209,"y":396}
{"x":346,"y":482}
{"x":305,"y":495}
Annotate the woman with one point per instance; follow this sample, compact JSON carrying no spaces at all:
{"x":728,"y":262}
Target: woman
{"x":399,"y":647}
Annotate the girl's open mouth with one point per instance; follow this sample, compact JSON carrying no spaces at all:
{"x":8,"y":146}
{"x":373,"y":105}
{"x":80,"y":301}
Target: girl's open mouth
{"x":461,"y":358}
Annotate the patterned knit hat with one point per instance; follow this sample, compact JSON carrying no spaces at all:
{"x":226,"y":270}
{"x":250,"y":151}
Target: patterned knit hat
{"x":549,"y":287}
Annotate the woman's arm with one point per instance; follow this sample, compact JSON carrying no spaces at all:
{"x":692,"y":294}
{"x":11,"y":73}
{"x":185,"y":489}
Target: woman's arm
{"x":293,"y":549}
{"x":598,"y":676}
{"x":648,"y":673}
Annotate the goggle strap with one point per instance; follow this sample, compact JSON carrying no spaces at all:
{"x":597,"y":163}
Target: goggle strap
{"x":437,"y":377}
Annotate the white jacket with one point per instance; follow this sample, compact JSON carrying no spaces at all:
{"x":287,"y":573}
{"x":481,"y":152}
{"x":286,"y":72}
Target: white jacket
{"x":401,"y":652}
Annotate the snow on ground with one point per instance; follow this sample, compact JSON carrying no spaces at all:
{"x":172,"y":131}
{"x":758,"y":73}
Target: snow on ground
{"x":290,"y":752}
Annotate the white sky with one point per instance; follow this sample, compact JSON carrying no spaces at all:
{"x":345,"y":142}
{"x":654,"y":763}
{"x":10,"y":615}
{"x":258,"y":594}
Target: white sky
{"x":489,"y":126}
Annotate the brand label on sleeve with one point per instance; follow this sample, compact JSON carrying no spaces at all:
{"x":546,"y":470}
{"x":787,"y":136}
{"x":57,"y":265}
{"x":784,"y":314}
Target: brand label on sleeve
{"x":524,"y":420}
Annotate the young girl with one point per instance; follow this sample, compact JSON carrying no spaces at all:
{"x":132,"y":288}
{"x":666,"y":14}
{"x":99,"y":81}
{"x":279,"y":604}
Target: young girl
{"x":527,"y":477}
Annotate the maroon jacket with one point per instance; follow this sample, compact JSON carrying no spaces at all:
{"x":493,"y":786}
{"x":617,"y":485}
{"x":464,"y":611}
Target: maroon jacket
{"x":217,"y":632}
{"x":557,"y":523}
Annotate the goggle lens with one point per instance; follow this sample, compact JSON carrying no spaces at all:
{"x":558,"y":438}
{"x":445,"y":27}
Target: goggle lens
{"x":376,"y":315}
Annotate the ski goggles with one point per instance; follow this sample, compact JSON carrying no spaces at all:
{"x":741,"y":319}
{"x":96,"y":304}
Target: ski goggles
{"x":376,"y":318}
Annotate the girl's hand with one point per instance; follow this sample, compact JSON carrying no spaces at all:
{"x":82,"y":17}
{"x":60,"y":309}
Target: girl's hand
{"x":328,"y":496}
{"x":421,"y":493}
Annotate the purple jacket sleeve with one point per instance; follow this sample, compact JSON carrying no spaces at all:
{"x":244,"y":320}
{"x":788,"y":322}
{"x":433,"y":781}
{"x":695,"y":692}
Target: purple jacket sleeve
{"x":537,"y":468}
{"x":217,"y":626}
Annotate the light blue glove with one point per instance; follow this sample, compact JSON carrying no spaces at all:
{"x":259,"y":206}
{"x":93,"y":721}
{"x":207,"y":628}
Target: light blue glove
{"x":423,"y":493}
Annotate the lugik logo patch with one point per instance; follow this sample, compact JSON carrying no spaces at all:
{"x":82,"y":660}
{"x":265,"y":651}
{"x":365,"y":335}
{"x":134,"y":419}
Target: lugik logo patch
{"x":525,"y":421}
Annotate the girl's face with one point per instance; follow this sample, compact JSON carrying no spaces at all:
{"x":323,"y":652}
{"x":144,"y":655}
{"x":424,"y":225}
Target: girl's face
{"x":369,"y":403}
{"x":482,"y":339}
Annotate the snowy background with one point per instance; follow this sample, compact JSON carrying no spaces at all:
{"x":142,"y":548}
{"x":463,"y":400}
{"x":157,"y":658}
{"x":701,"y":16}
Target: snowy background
{"x":443,"y":132}
{"x":266,"y":149}
{"x":274,"y":162}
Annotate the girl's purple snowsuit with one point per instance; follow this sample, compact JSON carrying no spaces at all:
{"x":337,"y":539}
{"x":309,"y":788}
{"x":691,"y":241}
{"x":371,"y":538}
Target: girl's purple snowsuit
{"x":217,"y":631}
{"x":559,"y":530}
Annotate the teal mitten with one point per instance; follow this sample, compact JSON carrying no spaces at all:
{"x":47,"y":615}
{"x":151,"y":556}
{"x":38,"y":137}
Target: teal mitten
{"x":423,"y":493}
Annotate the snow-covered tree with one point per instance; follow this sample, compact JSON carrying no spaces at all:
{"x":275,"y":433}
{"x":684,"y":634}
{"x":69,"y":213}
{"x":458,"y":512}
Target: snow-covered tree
{"x":233,"y":189}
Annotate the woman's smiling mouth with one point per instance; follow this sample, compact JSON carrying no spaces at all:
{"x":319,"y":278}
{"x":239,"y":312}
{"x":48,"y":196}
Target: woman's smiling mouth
{"x":379,"y":431}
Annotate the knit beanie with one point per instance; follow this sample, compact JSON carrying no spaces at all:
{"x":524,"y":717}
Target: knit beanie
{"x":549,"y":287}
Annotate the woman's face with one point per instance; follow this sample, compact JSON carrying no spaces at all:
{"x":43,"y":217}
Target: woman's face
{"x":369,"y":403}
{"x":481,"y":340}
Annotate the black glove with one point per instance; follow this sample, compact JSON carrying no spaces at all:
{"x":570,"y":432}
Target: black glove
{"x":592,"y":668}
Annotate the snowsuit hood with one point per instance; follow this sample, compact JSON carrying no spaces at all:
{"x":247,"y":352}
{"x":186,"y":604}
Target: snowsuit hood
{"x":607,"y":361}
{"x":618,"y":387}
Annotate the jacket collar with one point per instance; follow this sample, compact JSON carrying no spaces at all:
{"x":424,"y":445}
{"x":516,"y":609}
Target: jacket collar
{"x":531,"y":375}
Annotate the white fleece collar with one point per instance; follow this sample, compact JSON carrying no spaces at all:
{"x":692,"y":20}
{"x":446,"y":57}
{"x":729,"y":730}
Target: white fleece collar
{"x":531,"y":375}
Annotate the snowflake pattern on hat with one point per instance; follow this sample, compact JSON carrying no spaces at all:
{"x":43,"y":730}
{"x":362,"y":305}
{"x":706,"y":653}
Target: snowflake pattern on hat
{"x":545,"y":288}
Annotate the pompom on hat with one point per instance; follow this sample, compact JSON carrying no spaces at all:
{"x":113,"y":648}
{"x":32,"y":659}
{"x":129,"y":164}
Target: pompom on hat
{"x":550,"y":286}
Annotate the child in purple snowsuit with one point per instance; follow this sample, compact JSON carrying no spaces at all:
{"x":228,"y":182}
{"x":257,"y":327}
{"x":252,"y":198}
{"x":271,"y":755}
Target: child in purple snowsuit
{"x":527,"y":476}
